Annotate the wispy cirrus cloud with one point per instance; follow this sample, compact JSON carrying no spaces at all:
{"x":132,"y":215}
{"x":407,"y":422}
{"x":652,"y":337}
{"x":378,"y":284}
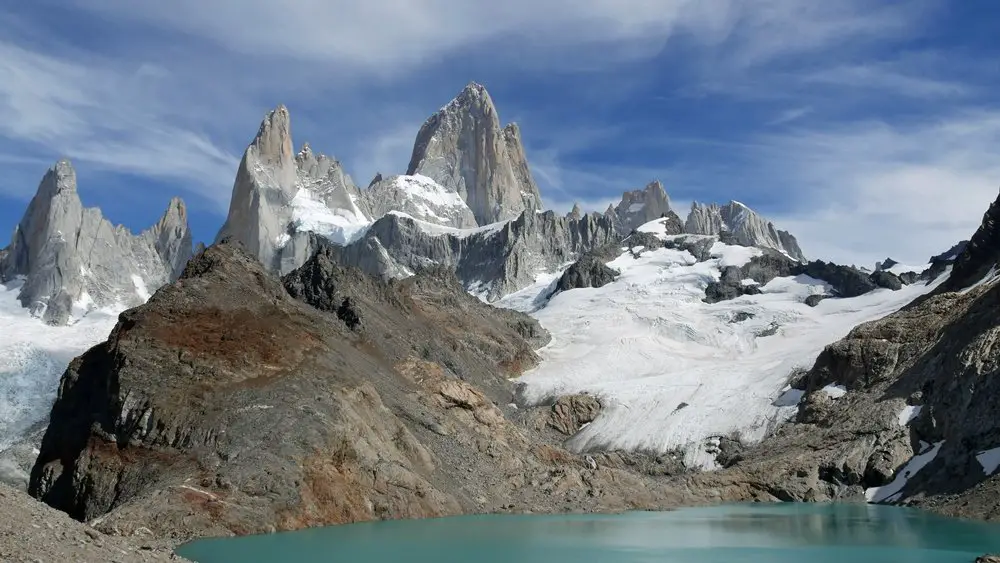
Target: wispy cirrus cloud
{"x":94,"y":112}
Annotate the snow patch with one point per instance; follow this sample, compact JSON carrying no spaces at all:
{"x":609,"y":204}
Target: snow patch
{"x":738,"y":256}
{"x":834,"y":391}
{"x":140,"y":288}
{"x":310,"y":214}
{"x":909,"y":413}
{"x":428,"y":197}
{"x":893,"y":491}
{"x":990,"y":460}
{"x":434,"y":229}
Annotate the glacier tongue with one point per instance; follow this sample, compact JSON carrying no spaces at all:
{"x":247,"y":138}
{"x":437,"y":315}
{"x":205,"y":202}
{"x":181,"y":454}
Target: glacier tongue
{"x":675,"y":372}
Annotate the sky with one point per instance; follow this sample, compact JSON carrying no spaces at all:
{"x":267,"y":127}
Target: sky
{"x":867,"y":129}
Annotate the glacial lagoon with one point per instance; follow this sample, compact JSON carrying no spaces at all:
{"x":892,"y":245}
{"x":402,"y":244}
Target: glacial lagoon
{"x":748,"y":533}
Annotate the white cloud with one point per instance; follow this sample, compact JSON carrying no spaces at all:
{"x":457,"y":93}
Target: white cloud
{"x":108,"y":116}
{"x":865,"y":190}
{"x":790,"y":115}
{"x":887,"y":78}
{"x":385,"y":36}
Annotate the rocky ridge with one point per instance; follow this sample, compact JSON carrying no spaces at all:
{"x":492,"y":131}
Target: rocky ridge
{"x":743,"y":224}
{"x":70,"y":259}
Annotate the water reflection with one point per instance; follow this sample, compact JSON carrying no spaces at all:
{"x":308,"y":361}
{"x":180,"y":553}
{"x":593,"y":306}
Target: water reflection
{"x":747,"y":533}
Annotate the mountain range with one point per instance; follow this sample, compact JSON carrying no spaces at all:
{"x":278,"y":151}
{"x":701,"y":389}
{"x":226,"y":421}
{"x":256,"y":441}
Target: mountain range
{"x":467,"y":201}
{"x":437,"y":343}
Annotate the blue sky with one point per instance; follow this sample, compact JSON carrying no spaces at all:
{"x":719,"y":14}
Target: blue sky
{"x":867,"y":129}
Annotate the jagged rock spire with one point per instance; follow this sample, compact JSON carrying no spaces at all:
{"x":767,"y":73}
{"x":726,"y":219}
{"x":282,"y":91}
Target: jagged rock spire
{"x":642,"y":206}
{"x":259,"y":210}
{"x":73,"y":259}
{"x":463,"y":148}
{"x":271,"y":180}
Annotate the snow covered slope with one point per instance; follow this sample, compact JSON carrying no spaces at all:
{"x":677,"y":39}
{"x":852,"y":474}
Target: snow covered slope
{"x":33,"y":356}
{"x":674,"y":372}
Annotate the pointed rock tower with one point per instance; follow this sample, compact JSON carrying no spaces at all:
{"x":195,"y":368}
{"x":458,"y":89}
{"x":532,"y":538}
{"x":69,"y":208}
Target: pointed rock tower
{"x":260,"y":208}
{"x":73,"y":260}
{"x":464,"y":149}
{"x":642,"y":206}
{"x":280,"y":196}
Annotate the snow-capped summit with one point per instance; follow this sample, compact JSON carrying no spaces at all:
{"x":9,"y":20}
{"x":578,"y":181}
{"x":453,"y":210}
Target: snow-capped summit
{"x":70,"y":260}
{"x":463,"y":148}
{"x":745,"y":225}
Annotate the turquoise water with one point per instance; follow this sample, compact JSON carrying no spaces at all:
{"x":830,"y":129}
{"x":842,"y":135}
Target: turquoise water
{"x":753,"y":533}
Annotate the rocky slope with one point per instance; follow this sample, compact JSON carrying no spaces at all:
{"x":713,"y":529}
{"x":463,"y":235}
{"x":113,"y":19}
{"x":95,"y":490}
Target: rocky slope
{"x":902,"y":410}
{"x":224,"y":405}
{"x":464,"y":149}
{"x":40,"y":534}
{"x":73,"y":260}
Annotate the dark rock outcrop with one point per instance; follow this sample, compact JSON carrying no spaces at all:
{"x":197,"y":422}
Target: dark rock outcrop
{"x":591,"y":270}
{"x":569,"y":413}
{"x":886,"y":279}
{"x":980,"y":256}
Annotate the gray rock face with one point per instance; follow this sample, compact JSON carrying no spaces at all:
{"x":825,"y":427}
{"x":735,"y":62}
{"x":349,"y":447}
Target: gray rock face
{"x":490,"y":262}
{"x":744,"y":225}
{"x":72,"y":260}
{"x":642,"y":206}
{"x":420,"y":197}
{"x":260,"y":209}
{"x":272,"y":182}
{"x":463,"y":148}
{"x":325,"y":177}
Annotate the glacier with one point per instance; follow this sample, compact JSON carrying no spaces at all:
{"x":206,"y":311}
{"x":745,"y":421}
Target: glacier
{"x":33,"y":356}
{"x":673,"y":372}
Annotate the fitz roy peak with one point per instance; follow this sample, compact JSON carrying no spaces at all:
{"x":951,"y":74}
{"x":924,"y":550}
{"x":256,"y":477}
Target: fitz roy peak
{"x":71,"y":259}
{"x":463,"y":148}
